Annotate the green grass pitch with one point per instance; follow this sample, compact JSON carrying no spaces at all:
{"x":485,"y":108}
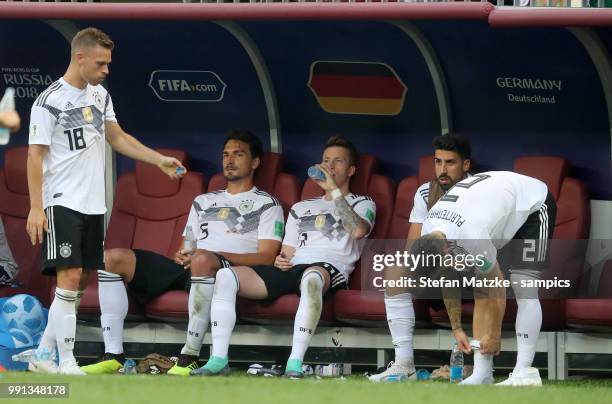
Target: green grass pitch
{"x":239,"y":388}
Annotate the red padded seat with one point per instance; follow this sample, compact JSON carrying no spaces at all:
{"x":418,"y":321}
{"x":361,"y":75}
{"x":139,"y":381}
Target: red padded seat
{"x":14,"y":209}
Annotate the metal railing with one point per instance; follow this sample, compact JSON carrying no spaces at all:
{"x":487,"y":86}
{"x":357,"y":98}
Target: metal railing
{"x":499,"y":3}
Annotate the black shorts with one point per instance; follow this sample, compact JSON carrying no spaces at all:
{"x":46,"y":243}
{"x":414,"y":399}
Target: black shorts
{"x":280,"y":283}
{"x":155,"y":274}
{"x":530,"y":247}
{"x":74,"y":240}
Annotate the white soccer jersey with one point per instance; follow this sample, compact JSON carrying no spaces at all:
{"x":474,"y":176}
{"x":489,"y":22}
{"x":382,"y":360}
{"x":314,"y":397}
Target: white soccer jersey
{"x":483,"y":213}
{"x":71,"y":122}
{"x":235,"y":223}
{"x":419,"y":207}
{"x":318,"y":235}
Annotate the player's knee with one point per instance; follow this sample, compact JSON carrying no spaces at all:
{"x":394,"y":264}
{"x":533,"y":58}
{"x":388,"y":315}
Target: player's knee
{"x":116,"y":259}
{"x":205,"y":264}
{"x":312,"y":284}
{"x":69,"y":278}
{"x":226,"y":280}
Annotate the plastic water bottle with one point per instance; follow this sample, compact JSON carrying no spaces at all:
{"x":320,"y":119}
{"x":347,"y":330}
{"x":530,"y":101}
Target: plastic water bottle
{"x":423,"y":374}
{"x":190,"y":243}
{"x":456,"y":365}
{"x":129,"y":367}
{"x":7,"y":104}
{"x":316,"y":173}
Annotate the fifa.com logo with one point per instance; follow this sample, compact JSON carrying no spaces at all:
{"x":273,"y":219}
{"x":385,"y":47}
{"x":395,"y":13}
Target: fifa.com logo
{"x":184,"y":86}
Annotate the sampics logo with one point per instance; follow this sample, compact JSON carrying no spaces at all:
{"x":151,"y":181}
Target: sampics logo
{"x":187,"y":85}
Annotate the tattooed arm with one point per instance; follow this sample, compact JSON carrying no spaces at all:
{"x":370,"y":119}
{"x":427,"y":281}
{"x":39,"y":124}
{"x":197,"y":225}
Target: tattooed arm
{"x":351,"y":221}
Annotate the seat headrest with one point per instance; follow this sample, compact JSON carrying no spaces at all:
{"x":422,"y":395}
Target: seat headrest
{"x":270,"y":165}
{"x":427,"y":170}
{"x":549,"y":169}
{"x":15,"y":169}
{"x":150,"y":181}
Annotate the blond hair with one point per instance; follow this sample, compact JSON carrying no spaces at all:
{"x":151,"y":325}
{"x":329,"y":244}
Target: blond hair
{"x":90,"y":37}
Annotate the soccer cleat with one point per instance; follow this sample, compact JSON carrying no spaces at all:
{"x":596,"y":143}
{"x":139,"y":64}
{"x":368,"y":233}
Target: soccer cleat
{"x":393,"y":372}
{"x":184,"y":365}
{"x":523,"y":377}
{"x":476,"y":380}
{"x":70,"y":367}
{"x":215,"y":366}
{"x":294,"y":370}
{"x":107,"y":364}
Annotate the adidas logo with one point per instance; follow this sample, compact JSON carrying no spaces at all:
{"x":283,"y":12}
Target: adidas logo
{"x":69,"y":105}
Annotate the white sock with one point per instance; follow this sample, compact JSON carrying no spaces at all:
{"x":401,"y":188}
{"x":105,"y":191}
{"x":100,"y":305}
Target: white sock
{"x":47,"y":341}
{"x":63,"y":318}
{"x":401,"y":319}
{"x":200,"y":298}
{"x":223,"y":311}
{"x":483,"y":364}
{"x":114,"y":307}
{"x":528,"y":324}
{"x":308,"y":313}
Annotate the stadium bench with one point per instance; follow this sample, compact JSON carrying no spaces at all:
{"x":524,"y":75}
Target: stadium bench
{"x":14,"y":209}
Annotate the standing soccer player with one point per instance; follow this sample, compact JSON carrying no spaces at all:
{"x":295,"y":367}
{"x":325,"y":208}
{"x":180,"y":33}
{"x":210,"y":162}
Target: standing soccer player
{"x":69,"y":123}
{"x":479,"y":216}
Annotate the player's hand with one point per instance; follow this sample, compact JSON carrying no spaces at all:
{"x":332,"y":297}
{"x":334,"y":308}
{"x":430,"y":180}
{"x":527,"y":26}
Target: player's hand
{"x":11,"y":120}
{"x":183,"y":257}
{"x":37,"y":222}
{"x":282,"y":263}
{"x":330,"y":183}
{"x":172,"y":167}
{"x":490,"y":345}
{"x":463,"y":343}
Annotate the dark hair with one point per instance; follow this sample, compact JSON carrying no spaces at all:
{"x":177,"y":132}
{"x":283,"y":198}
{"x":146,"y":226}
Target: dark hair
{"x":90,"y":37}
{"x":455,"y":143}
{"x":246,"y":136}
{"x":428,"y":245}
{"x":339,"y":141}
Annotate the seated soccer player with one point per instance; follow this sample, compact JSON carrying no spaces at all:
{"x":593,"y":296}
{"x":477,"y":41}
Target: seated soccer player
{"x":323,"y":240}
{"x":240,"y":225}
{"x":452,"y":163}
{"x":479,"y":216}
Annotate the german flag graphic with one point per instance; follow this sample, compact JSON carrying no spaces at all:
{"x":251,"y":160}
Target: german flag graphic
{"x":365,"y":88}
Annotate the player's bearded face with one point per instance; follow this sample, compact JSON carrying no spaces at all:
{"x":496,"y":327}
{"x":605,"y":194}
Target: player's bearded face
{"x":237,"y":161}
{"x":94,"y":64}
{"x":450,"y":169}
{"x":337,"y":159}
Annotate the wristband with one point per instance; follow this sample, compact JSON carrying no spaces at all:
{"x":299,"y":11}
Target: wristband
{"x":336,"y":194}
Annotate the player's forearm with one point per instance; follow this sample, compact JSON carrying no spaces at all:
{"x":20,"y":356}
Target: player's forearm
{"x":453,"y":308}
{"x":35,"y":174}
{"x":351,"y":221}
{"x":249,"y":259}
{"x":129,"y":146}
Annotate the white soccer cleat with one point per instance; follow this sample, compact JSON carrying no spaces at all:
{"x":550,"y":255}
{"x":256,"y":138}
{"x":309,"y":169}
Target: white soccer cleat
{"x":42,"y":366}
{"x":393,"y":371}
{"x":70,"y":367}
{"x":477,"y":380}
{"x":523,"y":377}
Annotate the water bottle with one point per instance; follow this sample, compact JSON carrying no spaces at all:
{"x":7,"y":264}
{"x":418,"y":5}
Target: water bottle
{"x":190,"y":243}
{"x":456,"y":365}
{"x":129,"y":367}
{"x":7,"y":104}
{"x":316,"y":173}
